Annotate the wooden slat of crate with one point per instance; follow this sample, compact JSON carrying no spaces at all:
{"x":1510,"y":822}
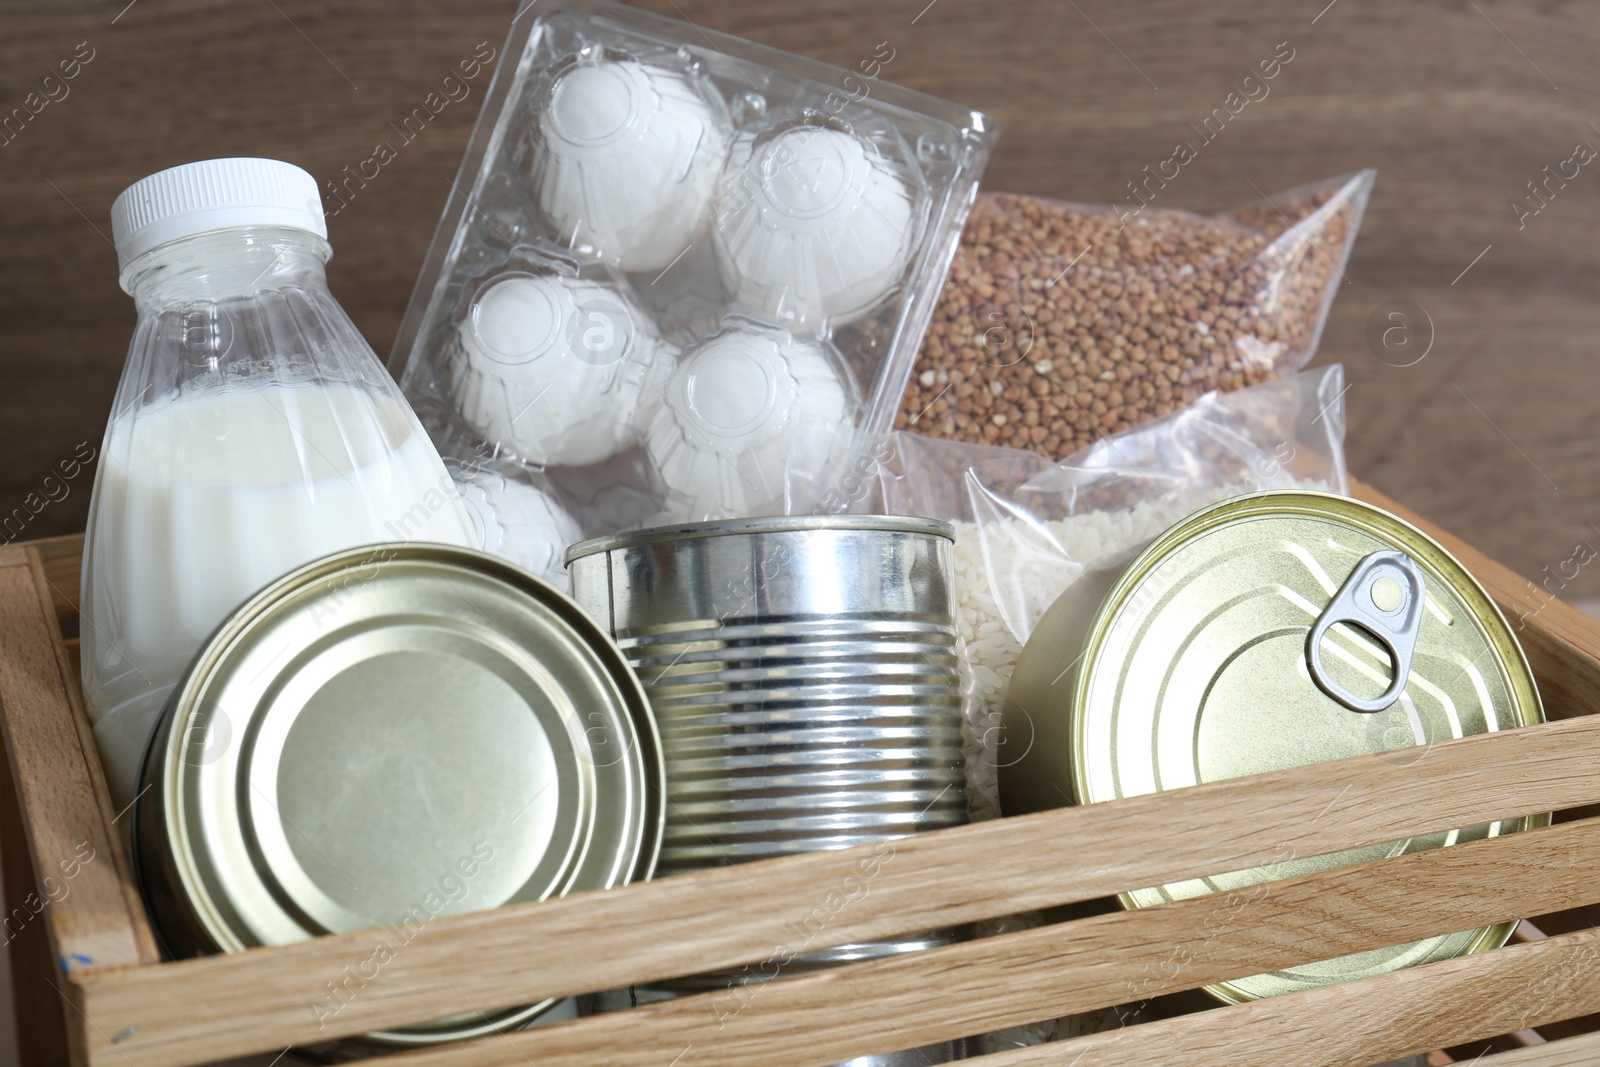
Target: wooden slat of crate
{"x":1580,"y":1051}
{"x":735,"y":915}
{"x":28,"y":954}
{"x":1562,"y":642}
{"x":1099,"y":962}
{"x":62,"y":560}
{"x":96,"y":918}
{"x":1354,"y":1024}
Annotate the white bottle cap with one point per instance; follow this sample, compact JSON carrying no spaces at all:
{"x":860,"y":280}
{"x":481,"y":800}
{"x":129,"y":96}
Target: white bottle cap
{"x":212,"y":195}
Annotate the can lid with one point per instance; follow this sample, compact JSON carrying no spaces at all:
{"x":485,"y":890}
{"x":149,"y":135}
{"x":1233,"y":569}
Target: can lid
{"x":691,"y":531}
{"x":388,"y":735}
{"x":213,"y":194}
{"x":1283,"y":629}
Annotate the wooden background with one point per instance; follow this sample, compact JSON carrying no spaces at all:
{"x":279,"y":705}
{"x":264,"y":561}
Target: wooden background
{"x":1457,"y":103}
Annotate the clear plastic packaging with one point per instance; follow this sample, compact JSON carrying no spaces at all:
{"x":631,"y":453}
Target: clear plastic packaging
{"x":815,"y":223}
{"x":519,"y":518}
{"x":743,"y":413}
{"x":544,"y":359}
{"x":682,"y":276}
{"x":1062,"y":323}
{"x":626,"y":158}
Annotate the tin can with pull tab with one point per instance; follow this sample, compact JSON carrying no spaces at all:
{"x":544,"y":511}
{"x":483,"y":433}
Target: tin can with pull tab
{"x":1267,"y":632}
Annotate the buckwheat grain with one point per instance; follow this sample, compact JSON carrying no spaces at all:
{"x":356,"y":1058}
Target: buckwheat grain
{"x":1059,"y":324}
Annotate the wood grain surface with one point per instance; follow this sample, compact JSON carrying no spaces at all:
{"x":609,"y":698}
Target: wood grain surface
{"x":1580,"y":1051}
{"x":1351,"y":1025}
{"x":71,"y":902}
{"x":96,"y":920}
{"x":29,"y":957}
{"x":709,"y":920}
{"x":1561,"y":642}
{"x":62,"y":561}
{"x":1459,"y":104}
{"x":1099,"y":962}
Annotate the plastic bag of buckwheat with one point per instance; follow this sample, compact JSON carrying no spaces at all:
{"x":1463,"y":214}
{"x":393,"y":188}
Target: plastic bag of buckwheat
{"x":1061,"y":323}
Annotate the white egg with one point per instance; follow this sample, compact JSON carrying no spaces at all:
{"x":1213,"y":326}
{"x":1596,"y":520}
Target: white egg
{"x":549,"y":367}
{"x":516,"y":520}
{"x":812,"y":224}
{"x":750,"y":422}
{"x":626,"y":162}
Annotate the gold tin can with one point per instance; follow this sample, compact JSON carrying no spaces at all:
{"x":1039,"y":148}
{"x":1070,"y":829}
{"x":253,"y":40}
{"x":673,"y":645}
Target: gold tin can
{"x":1267,"y":632}
{"x":383,"y":737}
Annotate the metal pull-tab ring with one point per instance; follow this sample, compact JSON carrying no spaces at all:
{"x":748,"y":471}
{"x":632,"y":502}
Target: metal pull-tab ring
{"x":1384,"y":595}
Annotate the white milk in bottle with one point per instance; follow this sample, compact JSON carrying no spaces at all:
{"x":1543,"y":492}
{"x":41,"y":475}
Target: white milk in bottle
{"x":253,"y":431}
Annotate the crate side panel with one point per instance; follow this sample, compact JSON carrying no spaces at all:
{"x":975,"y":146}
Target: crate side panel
{"x":696,"y":922}
{"x":92,"y":908}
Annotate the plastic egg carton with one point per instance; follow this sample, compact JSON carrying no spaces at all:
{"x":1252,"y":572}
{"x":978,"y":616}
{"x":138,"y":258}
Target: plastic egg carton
{"x":682,"y":276}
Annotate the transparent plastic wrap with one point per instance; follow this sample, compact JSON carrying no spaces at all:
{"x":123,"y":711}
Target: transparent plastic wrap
{"x":682,"y":276}
{"x":745,"y":412}
{"x":1063,"y":322}
{"x":544,"y":357}
{"x":1028,"y":527}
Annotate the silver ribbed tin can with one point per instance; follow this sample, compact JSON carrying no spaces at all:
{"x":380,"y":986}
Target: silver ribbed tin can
{"x":802,"y":672}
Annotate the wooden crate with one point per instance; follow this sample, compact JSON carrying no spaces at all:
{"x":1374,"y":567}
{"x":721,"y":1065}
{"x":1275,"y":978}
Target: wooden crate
{"x":122,"y":1007}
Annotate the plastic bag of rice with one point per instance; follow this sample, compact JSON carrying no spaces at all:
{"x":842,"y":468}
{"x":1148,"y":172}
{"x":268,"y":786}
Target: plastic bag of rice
{"x":1027,"y":527}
